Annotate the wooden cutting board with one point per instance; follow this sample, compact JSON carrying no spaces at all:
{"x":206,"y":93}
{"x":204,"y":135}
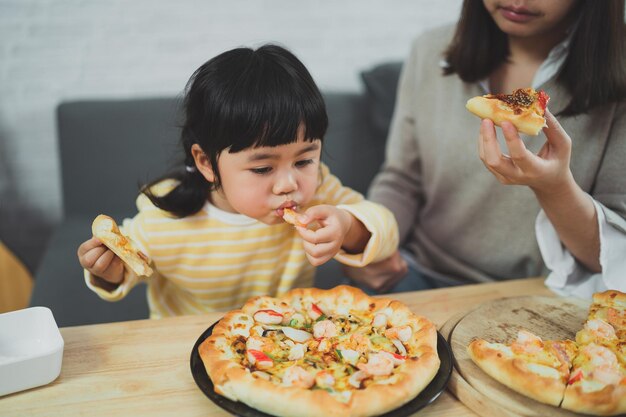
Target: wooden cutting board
{"x":499,"y":320}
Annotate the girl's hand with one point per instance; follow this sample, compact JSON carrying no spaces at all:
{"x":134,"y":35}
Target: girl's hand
{"x":545,"y":172}
{"x":100,"y":261}
{"x":323,"y":243}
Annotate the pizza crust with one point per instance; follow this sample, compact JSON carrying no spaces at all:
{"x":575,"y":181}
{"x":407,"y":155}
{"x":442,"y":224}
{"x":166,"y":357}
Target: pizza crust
{"x":609,"y":401}
{"x":236,"y":382}
{"x":106,"y":230}
{"x":515,"y":373}
{"x":528,"y":122}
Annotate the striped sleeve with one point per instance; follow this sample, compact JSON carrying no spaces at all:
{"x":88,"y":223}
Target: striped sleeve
{"x":378,"y":220}
{"x":130,"y":280}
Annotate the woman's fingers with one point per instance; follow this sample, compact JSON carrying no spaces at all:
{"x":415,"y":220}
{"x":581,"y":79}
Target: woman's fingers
{"x":520,"y":156}
{"x":556,"y":135}
{"x":491,"y":154}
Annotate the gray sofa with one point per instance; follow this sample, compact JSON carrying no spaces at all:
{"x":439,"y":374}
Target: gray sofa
{"x":108,"y":148}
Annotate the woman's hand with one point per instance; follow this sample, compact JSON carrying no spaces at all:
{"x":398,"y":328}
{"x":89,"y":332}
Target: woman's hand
{"x":569,"y":209}
{"x":380,"y":276}
{"x":337,"y":229}
{"x":100,"y":261}
{"x":546,"y":172}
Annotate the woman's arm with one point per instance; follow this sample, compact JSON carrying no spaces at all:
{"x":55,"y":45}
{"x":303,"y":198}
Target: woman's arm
{"x":567,"y":206}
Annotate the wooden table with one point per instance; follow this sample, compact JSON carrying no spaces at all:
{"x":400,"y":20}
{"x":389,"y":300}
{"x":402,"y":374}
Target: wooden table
{"x":141,"y":368}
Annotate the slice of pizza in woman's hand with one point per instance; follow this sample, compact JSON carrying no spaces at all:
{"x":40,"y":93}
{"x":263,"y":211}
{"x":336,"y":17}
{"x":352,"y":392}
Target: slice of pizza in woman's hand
{"x":316,"y":352}
{"x":106,"y":230}
{"x":525,"y":108}
{"x":533,"y":367}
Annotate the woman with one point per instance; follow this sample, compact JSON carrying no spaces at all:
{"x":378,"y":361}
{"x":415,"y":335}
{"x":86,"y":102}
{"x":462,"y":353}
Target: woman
{"x":462,"y":223}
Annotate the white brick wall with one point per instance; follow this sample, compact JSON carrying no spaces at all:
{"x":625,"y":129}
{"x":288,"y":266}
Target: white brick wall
{"x":52,"y":50}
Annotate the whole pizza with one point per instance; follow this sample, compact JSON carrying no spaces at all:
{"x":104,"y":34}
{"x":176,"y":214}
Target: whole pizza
{"x":316,"y":352}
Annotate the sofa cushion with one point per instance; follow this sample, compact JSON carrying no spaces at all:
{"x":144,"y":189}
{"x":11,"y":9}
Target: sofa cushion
{"x":381,"y":83}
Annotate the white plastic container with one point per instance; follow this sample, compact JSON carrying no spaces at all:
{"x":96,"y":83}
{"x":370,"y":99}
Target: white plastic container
{"x":31,"y":349}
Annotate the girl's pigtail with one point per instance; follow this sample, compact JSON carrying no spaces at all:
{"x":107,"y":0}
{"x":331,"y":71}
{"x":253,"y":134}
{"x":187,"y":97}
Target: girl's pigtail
{"x":191,"y":193}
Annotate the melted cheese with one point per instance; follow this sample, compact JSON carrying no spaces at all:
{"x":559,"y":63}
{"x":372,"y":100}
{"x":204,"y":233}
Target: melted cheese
{"x":542,"y":370}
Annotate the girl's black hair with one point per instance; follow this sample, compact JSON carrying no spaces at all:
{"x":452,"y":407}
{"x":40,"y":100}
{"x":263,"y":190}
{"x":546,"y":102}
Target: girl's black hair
{"x":242,"y":98}
{"x":593,"y":72}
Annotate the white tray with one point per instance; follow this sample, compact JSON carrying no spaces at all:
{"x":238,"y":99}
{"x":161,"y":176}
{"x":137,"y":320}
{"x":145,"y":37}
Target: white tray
{"x":31,"y":349}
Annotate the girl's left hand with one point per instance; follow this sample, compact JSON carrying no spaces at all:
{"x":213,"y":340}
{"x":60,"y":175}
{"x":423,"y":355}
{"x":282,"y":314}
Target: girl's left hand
{"x":323,"y":243}
{"x":544,"y":172}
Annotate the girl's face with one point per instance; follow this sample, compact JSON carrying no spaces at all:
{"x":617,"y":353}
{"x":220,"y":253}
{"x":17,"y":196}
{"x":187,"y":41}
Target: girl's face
{"x":261,"y":182}
{"x":528,"y":18}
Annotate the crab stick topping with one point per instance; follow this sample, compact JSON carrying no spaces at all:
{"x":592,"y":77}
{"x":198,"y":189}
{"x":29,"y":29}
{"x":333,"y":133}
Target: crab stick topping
{"x":315,"y":312}
{"x":259,"y":359}
{"x":268,"y":317}
{"x":575,"y":377}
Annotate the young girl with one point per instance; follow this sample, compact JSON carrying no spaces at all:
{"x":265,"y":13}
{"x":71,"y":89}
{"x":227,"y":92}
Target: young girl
{"x":459,"y":216}
{"x":252,"y":138}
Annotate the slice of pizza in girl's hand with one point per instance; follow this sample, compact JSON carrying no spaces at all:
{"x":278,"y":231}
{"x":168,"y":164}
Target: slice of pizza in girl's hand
{"x":525,"y":108}
{"x":291,"y":217}
{"x":106,"y":230}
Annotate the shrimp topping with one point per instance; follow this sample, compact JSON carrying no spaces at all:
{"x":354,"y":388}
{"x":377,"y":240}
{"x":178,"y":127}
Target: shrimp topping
{"x":314,"y":311}
{"x":324,"y":328}
{"x":402,"y":333}
{"x":356,"y":378}
{"x":379,"y":363}
{"x":296,"y":376}
{"x":324,"y":379}
{"x":600,"y":328}
{"x":527,"y":343}
{"x":380,"y":320}
{"x":599,"y":356}
{"x":616,"y":318}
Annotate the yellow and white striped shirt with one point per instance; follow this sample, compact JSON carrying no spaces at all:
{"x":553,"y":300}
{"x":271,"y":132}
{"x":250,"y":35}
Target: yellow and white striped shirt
{"x":214,"y":260}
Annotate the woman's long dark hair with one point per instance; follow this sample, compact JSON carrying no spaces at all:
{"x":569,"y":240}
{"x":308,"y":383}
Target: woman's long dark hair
{"x":594,"y":71}
{"x":240,"y":99}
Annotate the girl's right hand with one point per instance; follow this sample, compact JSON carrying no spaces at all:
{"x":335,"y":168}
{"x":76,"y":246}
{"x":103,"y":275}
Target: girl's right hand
{"x":101,"y":261}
